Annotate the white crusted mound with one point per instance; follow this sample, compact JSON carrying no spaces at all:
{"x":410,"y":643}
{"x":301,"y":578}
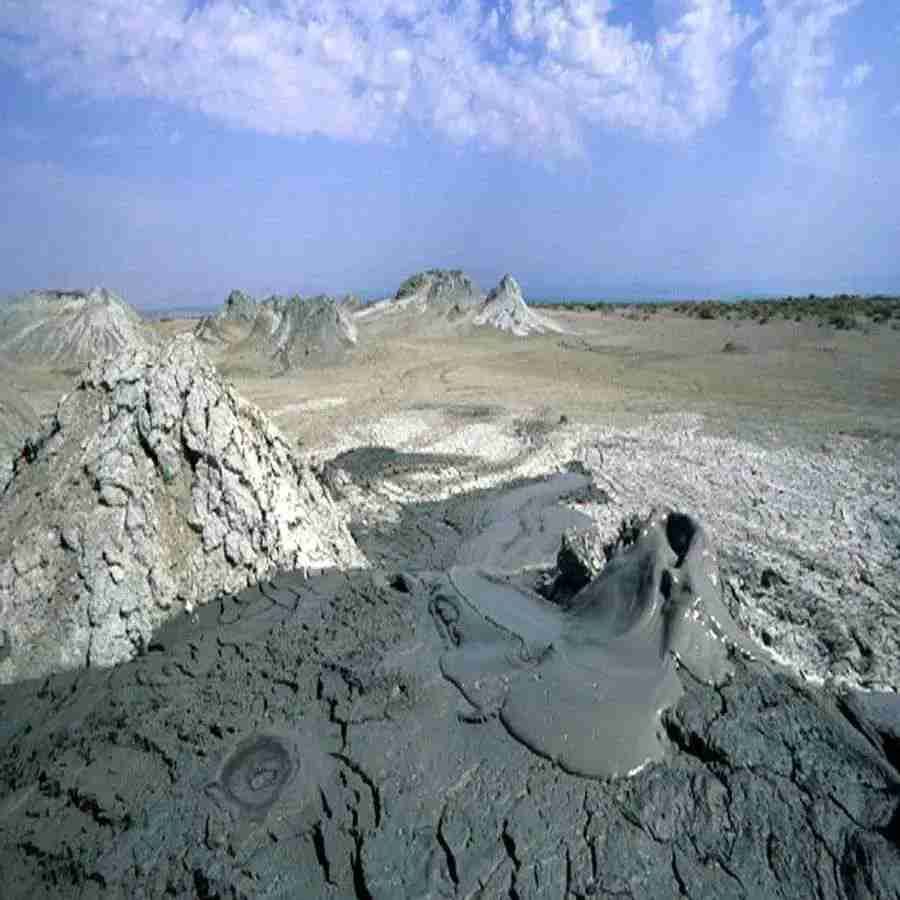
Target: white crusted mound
{"x":505,"y":308}
{"x":69,"y":327}
{"x":154,"y":488}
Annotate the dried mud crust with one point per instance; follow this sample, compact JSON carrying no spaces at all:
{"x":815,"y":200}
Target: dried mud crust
{"x":69,"y":328}
{"x":300,"y":739}
{"x":153,"y":487}
{"x":807,"y":531}
{"x":17,"y":421}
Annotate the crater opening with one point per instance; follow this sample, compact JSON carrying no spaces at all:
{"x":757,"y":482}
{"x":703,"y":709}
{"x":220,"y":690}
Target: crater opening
{"x":680,"y":531}
{"x":256,"y":772}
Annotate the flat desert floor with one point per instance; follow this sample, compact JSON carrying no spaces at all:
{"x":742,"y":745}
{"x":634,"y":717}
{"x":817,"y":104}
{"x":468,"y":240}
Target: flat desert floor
{"x":794,"y":377}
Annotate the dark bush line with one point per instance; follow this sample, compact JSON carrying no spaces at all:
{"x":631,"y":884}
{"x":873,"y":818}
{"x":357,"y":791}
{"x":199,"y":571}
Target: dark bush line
{"x":841,"y":311}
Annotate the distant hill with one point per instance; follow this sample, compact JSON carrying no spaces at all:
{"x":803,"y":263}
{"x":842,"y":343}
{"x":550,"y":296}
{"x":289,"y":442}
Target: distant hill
{"x":69,"y":328}
{"x":442,"y":301}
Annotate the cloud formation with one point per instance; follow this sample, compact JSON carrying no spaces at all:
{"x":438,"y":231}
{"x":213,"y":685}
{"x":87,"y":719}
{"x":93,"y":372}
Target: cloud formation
{"x":532,"y":75}
{"x":528,"y":74}
{"x":794,"y":69}
{"x":858,"y":75}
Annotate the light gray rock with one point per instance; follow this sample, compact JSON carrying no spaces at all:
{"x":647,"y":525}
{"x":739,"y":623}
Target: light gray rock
{"x":580,"y":559}
{"x":231,"y":322}
{"x":239,"y":307}
{"x":505,"y":309}
{"x":17,"y":421}
{"x":294,"y":331}
{"x":161,"y":488}
{"x":440,"y":288}
{"x":69,"y":328}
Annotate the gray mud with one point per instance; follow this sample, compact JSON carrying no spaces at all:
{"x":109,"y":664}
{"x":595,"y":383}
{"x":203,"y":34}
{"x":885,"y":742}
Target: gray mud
{"x":302,"y":739}
{"x":585,"y":685}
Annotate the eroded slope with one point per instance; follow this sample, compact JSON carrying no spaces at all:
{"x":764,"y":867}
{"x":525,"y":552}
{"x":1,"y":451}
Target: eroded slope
{"x":153,"y":487}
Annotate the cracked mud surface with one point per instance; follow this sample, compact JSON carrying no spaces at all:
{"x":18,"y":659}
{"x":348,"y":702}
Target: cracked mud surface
{"x":300,"y":739}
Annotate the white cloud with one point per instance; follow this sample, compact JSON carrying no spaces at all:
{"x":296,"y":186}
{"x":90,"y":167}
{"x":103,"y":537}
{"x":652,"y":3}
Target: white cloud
{"x":529,"y":74}
{"x":793,"y":66}
{"x":701,"y":46}
{"x":857,"y":76}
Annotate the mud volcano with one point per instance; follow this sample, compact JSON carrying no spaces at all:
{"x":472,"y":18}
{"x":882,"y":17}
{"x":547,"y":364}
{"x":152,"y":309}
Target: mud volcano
{"x":290,"y":332}
{"x":69,"y":328}
{"x":400,"y":732}
{"x":439,"y":288}
{"x":505,"y":309}
{"x":434,"y":302}
{"x":585,"y":684}
{"x":231,"y":323}
{"x":151,"y":488}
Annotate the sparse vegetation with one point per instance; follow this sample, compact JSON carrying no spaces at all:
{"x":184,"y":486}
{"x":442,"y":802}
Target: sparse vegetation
{"x":841,"y":311}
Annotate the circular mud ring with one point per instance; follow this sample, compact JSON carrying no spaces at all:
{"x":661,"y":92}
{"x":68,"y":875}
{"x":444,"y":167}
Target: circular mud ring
{"x":256,"y":773}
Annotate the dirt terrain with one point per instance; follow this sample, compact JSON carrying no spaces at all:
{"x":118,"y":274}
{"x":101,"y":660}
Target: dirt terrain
{"x":797,"y":378}
{"x":435,"y":722}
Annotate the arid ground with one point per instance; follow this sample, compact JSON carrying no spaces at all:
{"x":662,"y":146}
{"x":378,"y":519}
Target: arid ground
{"x":797,"y":378}
{"x":424,"y":724}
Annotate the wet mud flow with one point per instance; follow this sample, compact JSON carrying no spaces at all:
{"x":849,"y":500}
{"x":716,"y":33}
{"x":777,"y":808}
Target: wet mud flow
{"x":435,"y":727}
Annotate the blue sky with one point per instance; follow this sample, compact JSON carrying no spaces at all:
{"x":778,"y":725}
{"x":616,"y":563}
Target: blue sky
{"x":174,"y":149}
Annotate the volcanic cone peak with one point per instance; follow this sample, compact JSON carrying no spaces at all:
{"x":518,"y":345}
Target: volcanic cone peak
{"x":239,"y":306}
{"x":505,"y":308}
{"x":440,"y":287}
{"x":69,"y":327}
{"x":292,"y":330}
{"x":153,"y":488}
{"x":231,"y":322}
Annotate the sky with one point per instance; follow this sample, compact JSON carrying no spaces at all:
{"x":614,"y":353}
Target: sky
{"x":172,"y":150}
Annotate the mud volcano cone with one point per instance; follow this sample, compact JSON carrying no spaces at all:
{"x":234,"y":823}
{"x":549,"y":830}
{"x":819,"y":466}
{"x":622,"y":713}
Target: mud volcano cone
{"x":506,"y":310}
{"x":231,"y":323}
{"x":292,"y":332}
{"x":439,"y":289}
{"x":69,"y":327}
{"x":153,"y":488}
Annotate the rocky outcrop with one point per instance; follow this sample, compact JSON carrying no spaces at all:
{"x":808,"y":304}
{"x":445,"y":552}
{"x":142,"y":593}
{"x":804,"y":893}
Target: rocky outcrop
{"x":69,"y":328}
{"x":17,"y":420}
{"x":434,"y":302}
{"x":441,"y":301}
{"x":505,"y":309}
{"x":153,"y":488}
{"x":231,"y":322}
{"x":446,"y":288}
{"x":292,"y":331}
{"x":239,"y":307}
{"x":580,"y":559}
